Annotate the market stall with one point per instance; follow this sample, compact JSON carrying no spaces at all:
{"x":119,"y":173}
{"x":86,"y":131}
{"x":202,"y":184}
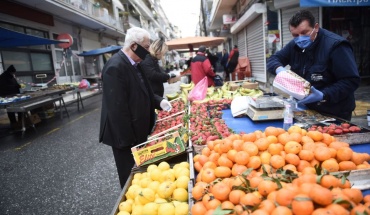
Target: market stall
{"x":249,"y":164}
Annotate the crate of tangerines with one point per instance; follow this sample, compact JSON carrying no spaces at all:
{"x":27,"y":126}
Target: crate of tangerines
{"x":279,"y":172}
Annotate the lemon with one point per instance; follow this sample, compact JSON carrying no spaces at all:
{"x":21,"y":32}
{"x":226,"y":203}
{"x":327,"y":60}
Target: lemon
{"x":185,"y":164}
{"x":132,"y":191}
{"x":182,"y":182}
{"x":144,"y":175}
{"x":146,"y":195}
{"x":136,"y":181}
{"x":160,"y":200}
{"x":155,"y":174}
{"x":123,"y":213}
{"x":166,"y":189}
{"x":180,"y":194}
{"x":154,"y":185}
{"x":163,"y":166}
{"x":131,"y":201}
{"x":182,"y":171}
{"x":145,"y":182}
{"x":125,"y":206}
{"x":166,"y":209}
{"x":182,"y":209}
{"x":176,"y":166}
{"x":167,"y":176}
{"x":137,"y":210}
{"x":150,"y":208}
{"x":151,"y":167}
{"x":137,"y":175}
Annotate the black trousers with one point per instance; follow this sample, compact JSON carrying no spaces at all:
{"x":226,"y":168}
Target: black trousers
{"x":124,"y":163}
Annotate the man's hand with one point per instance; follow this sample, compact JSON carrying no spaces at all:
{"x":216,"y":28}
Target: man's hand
{"x":165,"y":105}
{"x":314,"y":96}
{"x":280,"y":69}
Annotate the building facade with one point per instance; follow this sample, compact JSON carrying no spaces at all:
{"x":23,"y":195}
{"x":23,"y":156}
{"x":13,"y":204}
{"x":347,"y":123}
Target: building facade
{"x":92,"y":24}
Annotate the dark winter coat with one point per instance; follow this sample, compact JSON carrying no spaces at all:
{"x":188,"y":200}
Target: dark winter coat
{"x":8,"y":84}
{"x":200,"y":68}
{"x":224,"y":59}
{"x":155,"y":74}
{"x":127,"y":115}
{"x":329,"y":65}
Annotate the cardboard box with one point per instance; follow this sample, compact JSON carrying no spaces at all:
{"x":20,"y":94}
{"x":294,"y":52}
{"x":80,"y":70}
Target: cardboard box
{"x":160,"y":147}
{"x":250,"y":85}
{"x":34,"y":118}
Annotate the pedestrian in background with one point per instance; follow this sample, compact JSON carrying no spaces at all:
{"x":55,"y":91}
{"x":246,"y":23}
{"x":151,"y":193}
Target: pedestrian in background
{"x":9,"y":86}
{"x":212,"y":59}
{"x":201,"y":67}
{"x":232,"y":61}
{"x":155,"y":74}
{"x":224,"y":58}
{"x":324,"y":59}
{"x":128,"y":102}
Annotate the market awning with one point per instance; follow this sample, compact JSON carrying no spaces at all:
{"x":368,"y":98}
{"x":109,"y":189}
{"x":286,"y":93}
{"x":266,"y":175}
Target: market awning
{"x":100,"y":51}
{"x":194,"y":42}
{"x":332,"y":3}
{"x":10,"y":38}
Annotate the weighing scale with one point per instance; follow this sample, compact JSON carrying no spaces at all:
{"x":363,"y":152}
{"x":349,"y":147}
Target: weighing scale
{"x":40,"y":86}
{"x":266,"y":108}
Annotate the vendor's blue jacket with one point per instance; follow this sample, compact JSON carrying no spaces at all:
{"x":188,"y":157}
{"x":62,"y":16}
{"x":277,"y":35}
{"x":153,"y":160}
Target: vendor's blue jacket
{"x":329,"y":65}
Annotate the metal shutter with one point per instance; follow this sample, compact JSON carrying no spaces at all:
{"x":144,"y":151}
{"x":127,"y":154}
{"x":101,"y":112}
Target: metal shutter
{"x":255,"y":48}
{"x":242,"y":43}
{"x":286,"y":14}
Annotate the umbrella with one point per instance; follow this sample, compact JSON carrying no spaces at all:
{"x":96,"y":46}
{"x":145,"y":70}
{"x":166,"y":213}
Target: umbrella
{"x":194,"y":42}
{"x":104,"y":50}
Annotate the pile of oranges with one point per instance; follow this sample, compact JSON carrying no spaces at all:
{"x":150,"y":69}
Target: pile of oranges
{"x":246,"y":174}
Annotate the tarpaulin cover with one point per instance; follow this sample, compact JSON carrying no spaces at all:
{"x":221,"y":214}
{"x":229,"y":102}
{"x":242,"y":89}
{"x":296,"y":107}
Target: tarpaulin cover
{"x":332,"y":3}
{"x":195,"y":42}
{"x":10,"y":38}
{"x":100,"y":51}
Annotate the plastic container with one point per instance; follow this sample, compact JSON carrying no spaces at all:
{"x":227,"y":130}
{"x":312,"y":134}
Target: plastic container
{"x":288,"y":116}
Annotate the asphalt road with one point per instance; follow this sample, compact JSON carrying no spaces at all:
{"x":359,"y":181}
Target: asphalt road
{"x":61,"y":169}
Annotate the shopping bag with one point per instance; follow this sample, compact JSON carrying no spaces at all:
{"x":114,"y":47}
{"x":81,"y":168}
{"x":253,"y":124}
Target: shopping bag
{"x":199,"y":92}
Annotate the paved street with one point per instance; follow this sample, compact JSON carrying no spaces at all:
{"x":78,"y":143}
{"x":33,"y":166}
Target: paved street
{"x":61,"y":169}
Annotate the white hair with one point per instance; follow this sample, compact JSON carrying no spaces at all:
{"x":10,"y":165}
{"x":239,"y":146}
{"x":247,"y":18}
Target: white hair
{"x":135,"y":35}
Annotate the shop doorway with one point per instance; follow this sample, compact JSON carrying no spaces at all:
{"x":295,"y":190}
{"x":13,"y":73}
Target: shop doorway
{"x":353,"y":23}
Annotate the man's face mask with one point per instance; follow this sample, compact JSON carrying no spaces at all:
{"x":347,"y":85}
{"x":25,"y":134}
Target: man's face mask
{"x":304,"y":41}
{"x":140,"y":51}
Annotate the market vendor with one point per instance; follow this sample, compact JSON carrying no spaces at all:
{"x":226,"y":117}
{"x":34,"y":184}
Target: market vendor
{"x":9,"y":87}
{"x":324,"y":59}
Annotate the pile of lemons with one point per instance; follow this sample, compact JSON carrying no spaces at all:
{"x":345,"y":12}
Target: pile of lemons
{"x":160,"y":190}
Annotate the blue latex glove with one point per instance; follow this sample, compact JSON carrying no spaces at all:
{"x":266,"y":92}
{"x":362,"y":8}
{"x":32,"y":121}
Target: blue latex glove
{"x":280,"y":69}
{"x":300,"y":107}
{"x":314,"y":96}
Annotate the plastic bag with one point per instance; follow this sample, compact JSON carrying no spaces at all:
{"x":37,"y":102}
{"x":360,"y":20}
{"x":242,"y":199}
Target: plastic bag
{"x":199,"y":92}
{"x":84,"y":84}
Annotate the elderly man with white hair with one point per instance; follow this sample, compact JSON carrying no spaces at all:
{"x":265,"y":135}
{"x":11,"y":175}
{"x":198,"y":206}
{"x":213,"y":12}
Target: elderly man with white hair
{"x":128,"y":104}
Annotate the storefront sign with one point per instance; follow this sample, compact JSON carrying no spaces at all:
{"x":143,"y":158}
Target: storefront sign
{"x":334,"y":3}
{"x":229,"y":18}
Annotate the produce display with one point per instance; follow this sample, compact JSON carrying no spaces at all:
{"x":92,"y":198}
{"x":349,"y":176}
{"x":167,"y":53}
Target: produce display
{"x":178,"y":105}
{"x":278,"y":172}
{"x":161,"y":189}
{"x":169,"y":122}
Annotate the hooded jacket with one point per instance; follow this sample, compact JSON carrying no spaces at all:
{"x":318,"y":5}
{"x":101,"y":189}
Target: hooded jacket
{"x":8,"y":84}
{"x":200,"y":68}
{"x":329,"y":65}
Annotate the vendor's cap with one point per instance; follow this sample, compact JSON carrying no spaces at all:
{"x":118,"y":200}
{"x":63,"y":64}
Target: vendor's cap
{"x":11,"y":68}
{"x":202,"y":49}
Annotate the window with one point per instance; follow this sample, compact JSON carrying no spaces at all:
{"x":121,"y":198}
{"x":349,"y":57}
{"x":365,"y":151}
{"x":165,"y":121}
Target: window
{"x":20,"y":60}
{"x":41,"y":61}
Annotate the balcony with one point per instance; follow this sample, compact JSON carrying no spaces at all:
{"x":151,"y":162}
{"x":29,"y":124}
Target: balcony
{"x":81,"y":12}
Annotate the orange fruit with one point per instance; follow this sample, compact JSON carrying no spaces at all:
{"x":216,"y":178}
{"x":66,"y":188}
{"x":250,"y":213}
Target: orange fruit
{"x":302,"y":205}
{"x":315,"y":135}
{"x":330,"y":165}
{"x":306,"y":155}
{"x":254,"y":162}
{"x":275,"y":148}
{"x":322,"y":153}
{"x":221,"y":191}
{"x":198,"y":209}
{"x":262,"y":143}
{"x":344,"y":154}
{"x":277,"y":161}
{"x":292,"y":159}
{"x":251,"y":148}
{"x":222,"y":172}
{"x":284,"y":138}
{"x":266,"y":187}
{"x":242,"y":158}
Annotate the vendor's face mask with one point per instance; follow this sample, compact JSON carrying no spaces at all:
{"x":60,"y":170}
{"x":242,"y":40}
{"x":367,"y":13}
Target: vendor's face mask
{"x":140,"y":51}
{"x":304,"y":41}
